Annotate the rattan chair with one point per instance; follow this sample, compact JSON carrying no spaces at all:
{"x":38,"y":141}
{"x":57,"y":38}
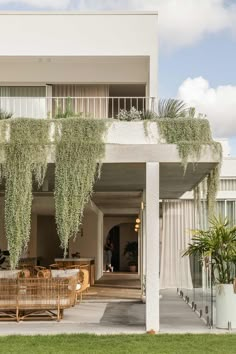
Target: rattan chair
{"x":44,"y":273}
{"x":24,"y":273}
{"x":54,"y":266}
{"x":84,"y":281}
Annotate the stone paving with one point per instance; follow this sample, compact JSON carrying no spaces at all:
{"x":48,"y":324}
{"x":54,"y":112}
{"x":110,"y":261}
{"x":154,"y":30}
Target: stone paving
{"x":113,"y":309}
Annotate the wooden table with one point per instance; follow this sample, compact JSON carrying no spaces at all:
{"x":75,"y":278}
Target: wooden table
{"x":80,"y":261}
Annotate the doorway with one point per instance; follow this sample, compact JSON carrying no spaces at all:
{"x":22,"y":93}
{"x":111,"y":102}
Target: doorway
{"x":114,"y":236}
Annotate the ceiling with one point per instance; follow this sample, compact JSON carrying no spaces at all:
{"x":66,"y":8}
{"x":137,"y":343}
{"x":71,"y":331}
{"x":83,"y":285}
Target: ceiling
{"x":119,"y":190}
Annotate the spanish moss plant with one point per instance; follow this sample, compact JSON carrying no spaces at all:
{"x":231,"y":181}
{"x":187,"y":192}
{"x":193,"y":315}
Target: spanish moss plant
{"x":25,"y":157}
{"x":191,"y":136}
{"x":79,"y":149}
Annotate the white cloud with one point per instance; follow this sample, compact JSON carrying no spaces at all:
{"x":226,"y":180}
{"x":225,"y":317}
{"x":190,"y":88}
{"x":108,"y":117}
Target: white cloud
{"x":181,"y":22}
{"x":219,"y":104}
{"x":44,"y":4}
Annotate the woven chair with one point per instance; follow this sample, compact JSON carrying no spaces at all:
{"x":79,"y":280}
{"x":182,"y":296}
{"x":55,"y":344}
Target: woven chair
{"x":44,"y":273}
{"x":54,"y":266}
{"x":74,"y":266}
{"x":24,"y":273}
{"x":84,"y":281}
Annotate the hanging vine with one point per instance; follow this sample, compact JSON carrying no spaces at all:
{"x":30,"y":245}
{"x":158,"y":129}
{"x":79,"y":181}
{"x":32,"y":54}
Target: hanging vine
{"x":25,"y":156}
{"x":191,"y":135}
{"x":79,"y":149}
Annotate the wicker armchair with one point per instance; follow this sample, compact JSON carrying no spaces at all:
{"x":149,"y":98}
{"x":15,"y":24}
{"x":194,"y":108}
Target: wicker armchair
{"x":84,"y":281}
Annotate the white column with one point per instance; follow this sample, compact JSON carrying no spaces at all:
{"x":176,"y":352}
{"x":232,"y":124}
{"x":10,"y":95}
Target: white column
{"x":99,"y":270}
{"x":143,"y":225}
{"x":152,"y":247}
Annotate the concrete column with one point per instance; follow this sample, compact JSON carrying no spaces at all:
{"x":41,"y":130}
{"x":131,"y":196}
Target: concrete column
{"x":143,"y":225}
{"x":152,"y":247}
{"x":99,"y":269}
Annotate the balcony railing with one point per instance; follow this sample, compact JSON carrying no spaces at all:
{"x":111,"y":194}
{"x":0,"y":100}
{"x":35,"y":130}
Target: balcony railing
{"x":56,"y":107}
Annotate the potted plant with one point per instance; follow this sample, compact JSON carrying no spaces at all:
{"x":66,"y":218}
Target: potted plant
{"x":131,"y":249}
{"x":218,"y":243}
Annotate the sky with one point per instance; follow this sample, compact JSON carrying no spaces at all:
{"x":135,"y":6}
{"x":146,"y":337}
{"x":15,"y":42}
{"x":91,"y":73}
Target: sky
{"x":197,"y":52}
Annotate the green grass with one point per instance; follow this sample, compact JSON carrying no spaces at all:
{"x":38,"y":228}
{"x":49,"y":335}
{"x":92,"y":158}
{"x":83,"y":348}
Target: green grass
{"x":82,"y":343}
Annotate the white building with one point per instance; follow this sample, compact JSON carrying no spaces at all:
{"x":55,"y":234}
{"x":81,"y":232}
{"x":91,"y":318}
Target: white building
{"x":103,"y":62}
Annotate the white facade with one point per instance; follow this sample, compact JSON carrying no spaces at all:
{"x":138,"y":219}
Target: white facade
{"x":79,"y":47}
{"x":110,"y":52}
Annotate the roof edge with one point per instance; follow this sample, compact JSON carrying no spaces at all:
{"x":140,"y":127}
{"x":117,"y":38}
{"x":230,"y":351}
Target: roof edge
{"x":76,"y":13}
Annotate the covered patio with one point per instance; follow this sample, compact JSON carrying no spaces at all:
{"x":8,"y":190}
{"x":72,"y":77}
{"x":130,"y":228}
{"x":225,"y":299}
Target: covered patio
{"x":137,"y":174}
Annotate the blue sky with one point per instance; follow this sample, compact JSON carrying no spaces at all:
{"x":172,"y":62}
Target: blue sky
{"x":197,"y":51}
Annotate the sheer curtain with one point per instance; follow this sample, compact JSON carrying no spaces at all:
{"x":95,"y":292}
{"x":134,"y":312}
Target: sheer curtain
{"x":178,"y":221}
{"x":89,"y":99}
{"x":24,"y":101}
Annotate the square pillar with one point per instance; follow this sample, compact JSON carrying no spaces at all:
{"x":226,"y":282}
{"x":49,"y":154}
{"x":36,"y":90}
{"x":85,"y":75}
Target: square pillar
{"x":152,"y":247}
{"x":143,"y":262}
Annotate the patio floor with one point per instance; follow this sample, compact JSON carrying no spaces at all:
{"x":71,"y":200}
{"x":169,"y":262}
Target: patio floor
{"x":112,"y":308}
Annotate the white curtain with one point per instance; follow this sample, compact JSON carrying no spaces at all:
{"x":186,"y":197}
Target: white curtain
{"x":178,"y":221}
{"x":24,"y":101}
{"x":89,"y":99}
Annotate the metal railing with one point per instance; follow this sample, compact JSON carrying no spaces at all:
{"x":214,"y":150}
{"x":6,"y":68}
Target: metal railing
{"x":56,"y":107}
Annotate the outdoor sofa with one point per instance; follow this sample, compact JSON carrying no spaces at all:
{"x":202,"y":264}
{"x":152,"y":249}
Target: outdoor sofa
{"x":36,"y":298}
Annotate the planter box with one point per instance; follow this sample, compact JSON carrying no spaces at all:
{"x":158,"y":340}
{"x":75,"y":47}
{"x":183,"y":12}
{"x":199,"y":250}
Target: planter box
{"x":225,"y":306}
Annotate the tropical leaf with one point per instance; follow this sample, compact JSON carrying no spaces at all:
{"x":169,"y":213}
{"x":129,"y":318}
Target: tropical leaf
{"x":171,"y":108}
{"x":219,"y":243}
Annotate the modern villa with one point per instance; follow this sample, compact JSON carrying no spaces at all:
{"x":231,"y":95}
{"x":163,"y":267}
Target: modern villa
{"x":101,"y":65}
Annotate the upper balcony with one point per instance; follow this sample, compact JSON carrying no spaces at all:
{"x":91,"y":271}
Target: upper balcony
{"x":61,"y":107}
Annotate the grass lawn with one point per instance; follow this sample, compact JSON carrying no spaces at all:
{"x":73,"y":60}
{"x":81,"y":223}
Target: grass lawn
{"x":181,"y":344}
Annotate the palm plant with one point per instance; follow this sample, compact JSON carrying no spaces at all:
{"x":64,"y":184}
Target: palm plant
{"x":174,"y":108}
{"x":219,"y":244}
{"x":171,"y":108}
{"x":131,"y":249}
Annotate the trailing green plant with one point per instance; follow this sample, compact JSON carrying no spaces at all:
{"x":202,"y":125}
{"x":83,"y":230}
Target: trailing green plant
{"x":191,"y":136}
{"x":218,"y":244}
{"x":213,"y":180}
{"x":5,"y":114}
{"x":25,"y":157}
{"x":79,"y":149}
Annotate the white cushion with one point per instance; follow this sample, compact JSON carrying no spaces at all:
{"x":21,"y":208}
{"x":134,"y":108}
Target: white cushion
{"x":61,"y":273}
{"x":8,"y":274}
{"x":78,"y":287}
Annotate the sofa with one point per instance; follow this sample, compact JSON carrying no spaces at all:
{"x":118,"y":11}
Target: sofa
{"x":35,"y":298}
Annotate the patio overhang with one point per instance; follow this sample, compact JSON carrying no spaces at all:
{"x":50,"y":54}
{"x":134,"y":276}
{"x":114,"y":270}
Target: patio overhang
{"x":131,"y":177}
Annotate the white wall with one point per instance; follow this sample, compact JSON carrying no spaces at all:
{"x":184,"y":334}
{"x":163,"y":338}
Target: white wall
{"x":90,"y":244}
{"x":44,"y":39}
{"x":78,"y":34}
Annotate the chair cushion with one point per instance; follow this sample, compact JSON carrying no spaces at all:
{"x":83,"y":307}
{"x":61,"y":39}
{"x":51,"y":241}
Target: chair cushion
{"x":9,"y":274}
{"x":61,"y":273}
